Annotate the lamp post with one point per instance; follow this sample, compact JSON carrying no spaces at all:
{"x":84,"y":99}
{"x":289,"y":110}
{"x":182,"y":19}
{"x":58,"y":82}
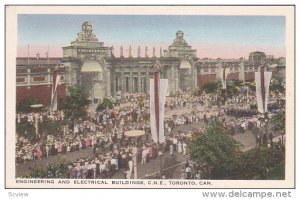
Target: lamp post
{"x":134,"y":134}
{"x":36,"y":108}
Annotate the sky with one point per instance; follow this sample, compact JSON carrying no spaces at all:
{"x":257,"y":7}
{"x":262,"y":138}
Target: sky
{"x":212,"y":36}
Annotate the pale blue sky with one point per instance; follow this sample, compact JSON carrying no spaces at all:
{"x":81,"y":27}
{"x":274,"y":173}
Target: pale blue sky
{"x":220,"y":32}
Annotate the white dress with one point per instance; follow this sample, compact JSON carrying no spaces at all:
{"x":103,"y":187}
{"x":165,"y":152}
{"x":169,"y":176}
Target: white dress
{"x":179,"y":146}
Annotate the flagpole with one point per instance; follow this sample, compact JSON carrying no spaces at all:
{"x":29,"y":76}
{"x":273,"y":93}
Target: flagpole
{"x":28,"y":55}
{"x":48,"y":56}
{"x":156,"y":106}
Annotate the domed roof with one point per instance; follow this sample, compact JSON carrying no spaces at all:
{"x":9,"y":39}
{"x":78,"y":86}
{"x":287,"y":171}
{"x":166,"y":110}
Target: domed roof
{"x":179,"y":32}
{"x":87,"y":23}
{"x":185,"y":64}
{"x":91,"y":66}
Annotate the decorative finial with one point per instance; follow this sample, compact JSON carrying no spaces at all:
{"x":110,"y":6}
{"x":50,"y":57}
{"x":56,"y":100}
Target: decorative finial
{"x":130,"y":52}
{"x":139,"y":52}
{"x":121,"y":52}
{"x":153,"y":52}
{"x":146,"y":52}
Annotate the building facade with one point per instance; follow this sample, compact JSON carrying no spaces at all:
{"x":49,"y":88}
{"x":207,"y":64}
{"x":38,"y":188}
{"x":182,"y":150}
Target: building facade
{"x":88,"y":63}
{"x":94,"y":66}
{"x":34,"y":79}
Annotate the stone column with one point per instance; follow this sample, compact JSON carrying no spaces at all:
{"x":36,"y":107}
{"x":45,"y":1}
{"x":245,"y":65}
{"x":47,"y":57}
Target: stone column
{"x":123,"y":84}
{"x":107,"y":83}
{"x":130,"y":82}
{"x":194,"y":75}
{"x":113,"y":82}
{"x":147,"y":80}
{"x":242,"y":71}
{"x":177,"y":79}
{"x":139,"y":80}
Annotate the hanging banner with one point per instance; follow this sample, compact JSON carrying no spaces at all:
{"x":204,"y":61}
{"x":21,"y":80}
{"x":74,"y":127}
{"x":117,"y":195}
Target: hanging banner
{"x":262,"y":90}
{"x":158,"y":135}
{"x":224,"y":74}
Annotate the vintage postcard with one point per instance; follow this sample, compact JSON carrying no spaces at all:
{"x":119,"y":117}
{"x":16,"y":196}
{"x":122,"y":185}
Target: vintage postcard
{"x":150,"y":97}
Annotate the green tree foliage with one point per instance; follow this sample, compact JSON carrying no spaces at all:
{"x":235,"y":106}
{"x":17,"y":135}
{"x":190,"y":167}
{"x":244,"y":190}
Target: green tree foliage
{"x":277,"y":172}
{"x":257,"y":162}
{"x":233,"y":87}
{"x":276,"y":86}
{"x":75,"y":105}
{"x":56,"y":170}
{"x":24,"y":106}
{"x":279,"y":121}
{"x":212,"y":87}
{"x":105,"y":104}
{"x":214,"y":148}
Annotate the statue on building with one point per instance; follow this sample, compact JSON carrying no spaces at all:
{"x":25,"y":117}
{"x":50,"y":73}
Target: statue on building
{"x":160,"y":52}
{"x":87,"y":32}
{"x":130,"y":52}
{"x":121,"y":52}
{"x":179,"y":39}
{"x":139,"y":52}
{"x":153,"y":52}
{"x":146,"y":52}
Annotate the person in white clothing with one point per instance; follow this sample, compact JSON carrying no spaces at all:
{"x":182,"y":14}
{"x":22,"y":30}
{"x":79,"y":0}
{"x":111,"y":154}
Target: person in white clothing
{"x":184,"y":146}
{"x":144,"y":155}
{"x":171,"y":149}
{"x":130,"y":166}
{"x":179,"y":146}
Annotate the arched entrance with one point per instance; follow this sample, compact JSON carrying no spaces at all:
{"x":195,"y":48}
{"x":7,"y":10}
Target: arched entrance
{"x":91,"y":79}
{"x":185,"y":75}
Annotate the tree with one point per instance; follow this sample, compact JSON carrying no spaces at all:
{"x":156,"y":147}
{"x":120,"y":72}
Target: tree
{"x":216,"y":149}
{"x":75,"y":105}
{"x":276,"y":86}
{"x":106,"y":103}
{"x":279,"y":121}
{"x":233,"y":87}
{"x":221,"y":153}
{"x":55,"y":170}
{"x":258,"y":162}
{"x":212,"y":87}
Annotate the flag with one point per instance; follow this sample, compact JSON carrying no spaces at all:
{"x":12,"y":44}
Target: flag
{"x":157,"y":129}
{"x":55,"y":82}
{"x":262,"y":80}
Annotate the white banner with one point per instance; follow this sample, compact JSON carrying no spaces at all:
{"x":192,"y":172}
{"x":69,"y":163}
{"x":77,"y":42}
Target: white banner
{"x":163,"y":86}
{"x":222,"y":77}
{"x":267,"y":75}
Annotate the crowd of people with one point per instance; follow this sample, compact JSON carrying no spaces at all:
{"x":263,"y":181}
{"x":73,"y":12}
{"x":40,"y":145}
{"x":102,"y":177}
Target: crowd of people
{"x":103,"y":132}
